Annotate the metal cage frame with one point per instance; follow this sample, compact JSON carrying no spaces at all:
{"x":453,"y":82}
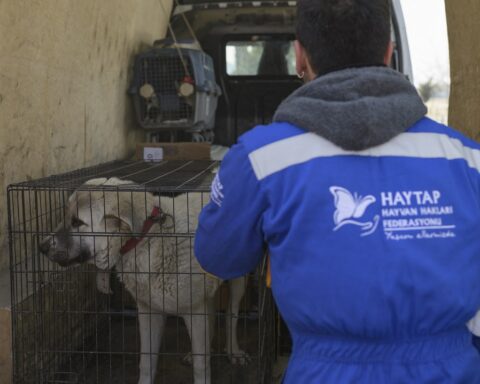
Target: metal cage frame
{"x":66,"y":331}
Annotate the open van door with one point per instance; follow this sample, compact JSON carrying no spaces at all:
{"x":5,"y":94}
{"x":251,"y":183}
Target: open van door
{"x":402,"y":58}
{"x":251,"y":44}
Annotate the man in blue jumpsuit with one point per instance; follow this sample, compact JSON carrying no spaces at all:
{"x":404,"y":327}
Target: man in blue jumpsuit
{"x":370,"y":212}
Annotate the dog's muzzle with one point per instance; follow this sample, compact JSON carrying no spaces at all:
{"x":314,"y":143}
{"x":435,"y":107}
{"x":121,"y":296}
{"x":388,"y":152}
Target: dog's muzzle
{"x":62,"y":257}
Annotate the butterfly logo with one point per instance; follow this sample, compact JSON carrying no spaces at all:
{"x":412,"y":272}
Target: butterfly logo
{"x":216,"y":194}
{"x":351,"y":207}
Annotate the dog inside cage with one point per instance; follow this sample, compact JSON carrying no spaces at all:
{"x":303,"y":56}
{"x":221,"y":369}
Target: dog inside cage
{"x":107,"y":289}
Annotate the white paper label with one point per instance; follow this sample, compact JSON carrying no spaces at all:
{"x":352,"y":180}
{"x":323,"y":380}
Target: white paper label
{"x":152,"y":154}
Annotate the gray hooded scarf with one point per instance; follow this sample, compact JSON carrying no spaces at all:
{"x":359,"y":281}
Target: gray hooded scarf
{"x":356,"y":108}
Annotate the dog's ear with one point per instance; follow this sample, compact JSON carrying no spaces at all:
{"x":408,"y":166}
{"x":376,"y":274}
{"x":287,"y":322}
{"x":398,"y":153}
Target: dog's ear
{"x":123,"y":224}
{"x":122,"y":208}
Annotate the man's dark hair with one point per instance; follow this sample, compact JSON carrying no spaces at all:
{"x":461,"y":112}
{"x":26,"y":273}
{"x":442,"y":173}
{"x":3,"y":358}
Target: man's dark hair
{"x":342,"y":33}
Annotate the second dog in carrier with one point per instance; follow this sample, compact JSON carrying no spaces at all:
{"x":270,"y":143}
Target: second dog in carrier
{"x":157,"y":267}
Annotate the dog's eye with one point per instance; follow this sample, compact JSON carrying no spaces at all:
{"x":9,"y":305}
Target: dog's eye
{"x":76,"y":222}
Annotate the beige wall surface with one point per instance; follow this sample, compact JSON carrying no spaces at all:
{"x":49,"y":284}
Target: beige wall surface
{"x":64,"y":72}
{"x":5,"y":344}
{"x":463,"y":30}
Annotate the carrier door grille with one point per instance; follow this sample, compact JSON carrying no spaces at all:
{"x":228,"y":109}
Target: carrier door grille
{"x":165,"y":74}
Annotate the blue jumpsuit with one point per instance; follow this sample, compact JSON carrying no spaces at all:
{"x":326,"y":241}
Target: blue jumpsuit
{"x":375,"y":255}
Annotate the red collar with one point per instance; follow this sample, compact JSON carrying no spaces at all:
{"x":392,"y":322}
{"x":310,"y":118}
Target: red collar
{"x":147,"y":225}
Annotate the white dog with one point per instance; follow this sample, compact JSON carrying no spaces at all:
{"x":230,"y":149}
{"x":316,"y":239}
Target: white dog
{"x":157,"y":268}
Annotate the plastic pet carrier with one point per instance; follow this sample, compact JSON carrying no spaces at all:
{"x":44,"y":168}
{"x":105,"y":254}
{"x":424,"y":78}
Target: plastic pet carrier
{"x":174,"y":88}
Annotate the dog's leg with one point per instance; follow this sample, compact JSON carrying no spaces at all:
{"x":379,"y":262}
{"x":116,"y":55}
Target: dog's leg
{"x":103,"y":282}
{"x":211,"y":317}
{"x":237,"y":290}
{"x":151,"y":328}
{"x":187,"y":360}
{"x":199,"y":330}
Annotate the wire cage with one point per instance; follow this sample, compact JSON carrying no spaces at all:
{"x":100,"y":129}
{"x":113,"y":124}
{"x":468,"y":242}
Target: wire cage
{"x":102,"y":271}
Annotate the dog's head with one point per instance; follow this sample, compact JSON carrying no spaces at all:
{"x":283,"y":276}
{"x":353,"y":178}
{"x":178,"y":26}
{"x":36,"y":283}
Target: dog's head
{"x":94,"y":221}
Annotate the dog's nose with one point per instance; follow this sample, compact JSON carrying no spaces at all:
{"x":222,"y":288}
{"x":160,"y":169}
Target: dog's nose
{"x":44,"y":247}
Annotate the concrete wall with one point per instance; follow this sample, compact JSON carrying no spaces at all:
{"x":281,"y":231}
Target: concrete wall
{"x":463,"y":32}
{"x":5,"y":330}
{"x":64,"y":73}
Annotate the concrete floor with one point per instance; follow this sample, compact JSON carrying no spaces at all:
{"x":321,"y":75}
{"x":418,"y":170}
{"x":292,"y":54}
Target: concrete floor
{"x":118,"y":364}
{"x":111,"y":354}
{"x":279,"y":368}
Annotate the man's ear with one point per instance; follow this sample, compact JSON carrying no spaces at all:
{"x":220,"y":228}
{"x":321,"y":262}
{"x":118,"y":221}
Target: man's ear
{"x":302,"y":63}
{"x":387,"y":59}
{"x":300,"y":59}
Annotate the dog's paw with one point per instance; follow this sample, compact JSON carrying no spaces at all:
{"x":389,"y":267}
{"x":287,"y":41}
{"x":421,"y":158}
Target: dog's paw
{"x":240,"y":358}
{"x":145,"y":379}
{"x":187,"y":359}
